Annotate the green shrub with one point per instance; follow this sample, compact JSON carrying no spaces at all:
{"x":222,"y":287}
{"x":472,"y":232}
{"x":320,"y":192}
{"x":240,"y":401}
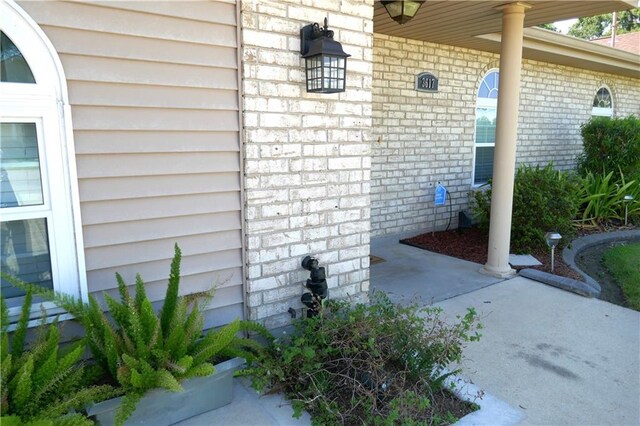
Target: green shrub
{"x":601,"y":199}
{"x":611,"y":144}
{"x":43,"y":385}
{"x":543,"y":200}
{"x":369,"y":364}
{"x":480,"y":206}
{"x":142,"y":350}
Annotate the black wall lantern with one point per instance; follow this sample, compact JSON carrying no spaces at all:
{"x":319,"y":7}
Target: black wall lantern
{"x":325,"y":61}
{"x":402,"y":11}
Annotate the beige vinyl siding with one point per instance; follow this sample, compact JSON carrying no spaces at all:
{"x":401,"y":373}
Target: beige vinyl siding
{"x":153,"y":88}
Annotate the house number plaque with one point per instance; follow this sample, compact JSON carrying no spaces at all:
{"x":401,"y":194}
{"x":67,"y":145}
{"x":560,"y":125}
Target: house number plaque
{"x":426,"y":82}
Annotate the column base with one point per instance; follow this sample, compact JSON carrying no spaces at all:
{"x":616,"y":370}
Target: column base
{"x":498,"y":272}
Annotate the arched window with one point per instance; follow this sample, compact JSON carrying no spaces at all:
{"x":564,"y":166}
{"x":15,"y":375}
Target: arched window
{"x":38,"y":234}
{"x":485,"y":134}
{"x":602,"y":103}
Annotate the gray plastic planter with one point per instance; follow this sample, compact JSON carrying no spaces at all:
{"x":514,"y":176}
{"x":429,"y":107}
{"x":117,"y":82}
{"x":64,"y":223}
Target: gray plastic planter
{"x":163,"y":407}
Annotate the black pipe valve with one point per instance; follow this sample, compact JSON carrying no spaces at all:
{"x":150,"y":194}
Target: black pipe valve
{"x":317,"y":285}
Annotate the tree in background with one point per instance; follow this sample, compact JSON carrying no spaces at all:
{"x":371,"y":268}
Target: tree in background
{"x":550,"y":27}
{"x":600,"y":26}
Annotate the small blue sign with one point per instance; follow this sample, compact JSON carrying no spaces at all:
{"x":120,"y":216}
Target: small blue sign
{"x":441,"y":195}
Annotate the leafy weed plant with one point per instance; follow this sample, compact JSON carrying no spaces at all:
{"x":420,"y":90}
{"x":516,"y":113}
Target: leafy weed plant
{"x":378,"y":364}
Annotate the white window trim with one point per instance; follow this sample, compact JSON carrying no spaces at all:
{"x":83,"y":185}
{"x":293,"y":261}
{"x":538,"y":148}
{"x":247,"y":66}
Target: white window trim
{"x":47,"y":102}
{"x":481,"y":103}
{"x":601,"y":112}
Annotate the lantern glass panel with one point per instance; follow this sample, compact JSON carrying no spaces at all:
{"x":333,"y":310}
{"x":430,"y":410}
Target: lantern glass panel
{"x":325,"y":73}
{"x":394,"y":8}
{"x":411,"y":8}
{"x":314,"y":72}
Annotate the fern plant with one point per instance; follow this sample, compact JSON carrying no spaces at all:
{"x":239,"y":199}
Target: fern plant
{"x":142,"y":350}
{"x":42,"y":385}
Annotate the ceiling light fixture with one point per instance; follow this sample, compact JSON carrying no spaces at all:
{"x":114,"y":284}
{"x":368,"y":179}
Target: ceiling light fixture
{"x":402,"y":11}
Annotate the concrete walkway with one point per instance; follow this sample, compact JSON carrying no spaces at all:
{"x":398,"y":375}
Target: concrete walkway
{"x":562,"y":358}
{"x":411,"y":273}
{"x":250,"y":409}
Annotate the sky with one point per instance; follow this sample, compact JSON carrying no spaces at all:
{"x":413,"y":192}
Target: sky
{"x":563,"y":26}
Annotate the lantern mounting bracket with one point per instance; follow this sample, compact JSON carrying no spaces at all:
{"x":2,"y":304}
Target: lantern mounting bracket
{"x":312,"y":32}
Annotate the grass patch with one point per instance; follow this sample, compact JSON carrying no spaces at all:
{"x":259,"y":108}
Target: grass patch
{"x":624,"y":264}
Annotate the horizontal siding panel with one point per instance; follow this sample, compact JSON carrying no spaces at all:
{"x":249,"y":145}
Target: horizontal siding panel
{"x":130,"y":95}
{"x":215,"y":314}
{"x":151,"y":164}
{"x":91,"y":17}
{"x":156,"y":229}
{"x":223,"y":315}
{"x":156,"y":291}
{"x":141,"y":48}
{"x":90,"y":117}
{"x":133,"y":141}
{"x":95,"y":212}
{"x":153,"y":88}
{"x":222,"y":296}
{"x":147,"y":251}
{"x":119,"y":188}
{"x":223,"y":12}
{"x":220,"y":268}
{"x":225,"y":297}
{"x":115,"y":70}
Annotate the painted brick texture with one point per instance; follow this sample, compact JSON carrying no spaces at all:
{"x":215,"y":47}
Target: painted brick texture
{"x":307,"y":156}
{"x":419,"y":139}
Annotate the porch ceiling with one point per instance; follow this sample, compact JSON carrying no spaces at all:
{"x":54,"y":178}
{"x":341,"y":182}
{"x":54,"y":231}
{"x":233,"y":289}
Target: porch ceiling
{"x":451,"y":22}
{"x":476,"y":24}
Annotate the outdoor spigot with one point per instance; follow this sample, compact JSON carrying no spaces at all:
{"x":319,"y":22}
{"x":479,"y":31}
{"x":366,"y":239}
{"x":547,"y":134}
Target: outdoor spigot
{"x":317,"y":285}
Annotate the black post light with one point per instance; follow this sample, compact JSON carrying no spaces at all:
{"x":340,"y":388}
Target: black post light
{"x":402,"y":11}
{"x":325,"y":61}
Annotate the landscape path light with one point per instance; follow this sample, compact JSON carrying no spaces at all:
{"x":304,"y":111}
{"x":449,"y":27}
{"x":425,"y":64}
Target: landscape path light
{"x":552,"y":239}
{"x":627,"y":199}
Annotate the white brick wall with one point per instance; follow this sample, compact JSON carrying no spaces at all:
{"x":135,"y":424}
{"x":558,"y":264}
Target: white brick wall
{"x":323,"y":171}
{"x":420,"y":138}
{"x":307,"y":156}
{"x":556,"y":100}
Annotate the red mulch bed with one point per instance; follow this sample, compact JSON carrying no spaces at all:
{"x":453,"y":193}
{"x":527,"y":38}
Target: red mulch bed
{"x":471,"y":244}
